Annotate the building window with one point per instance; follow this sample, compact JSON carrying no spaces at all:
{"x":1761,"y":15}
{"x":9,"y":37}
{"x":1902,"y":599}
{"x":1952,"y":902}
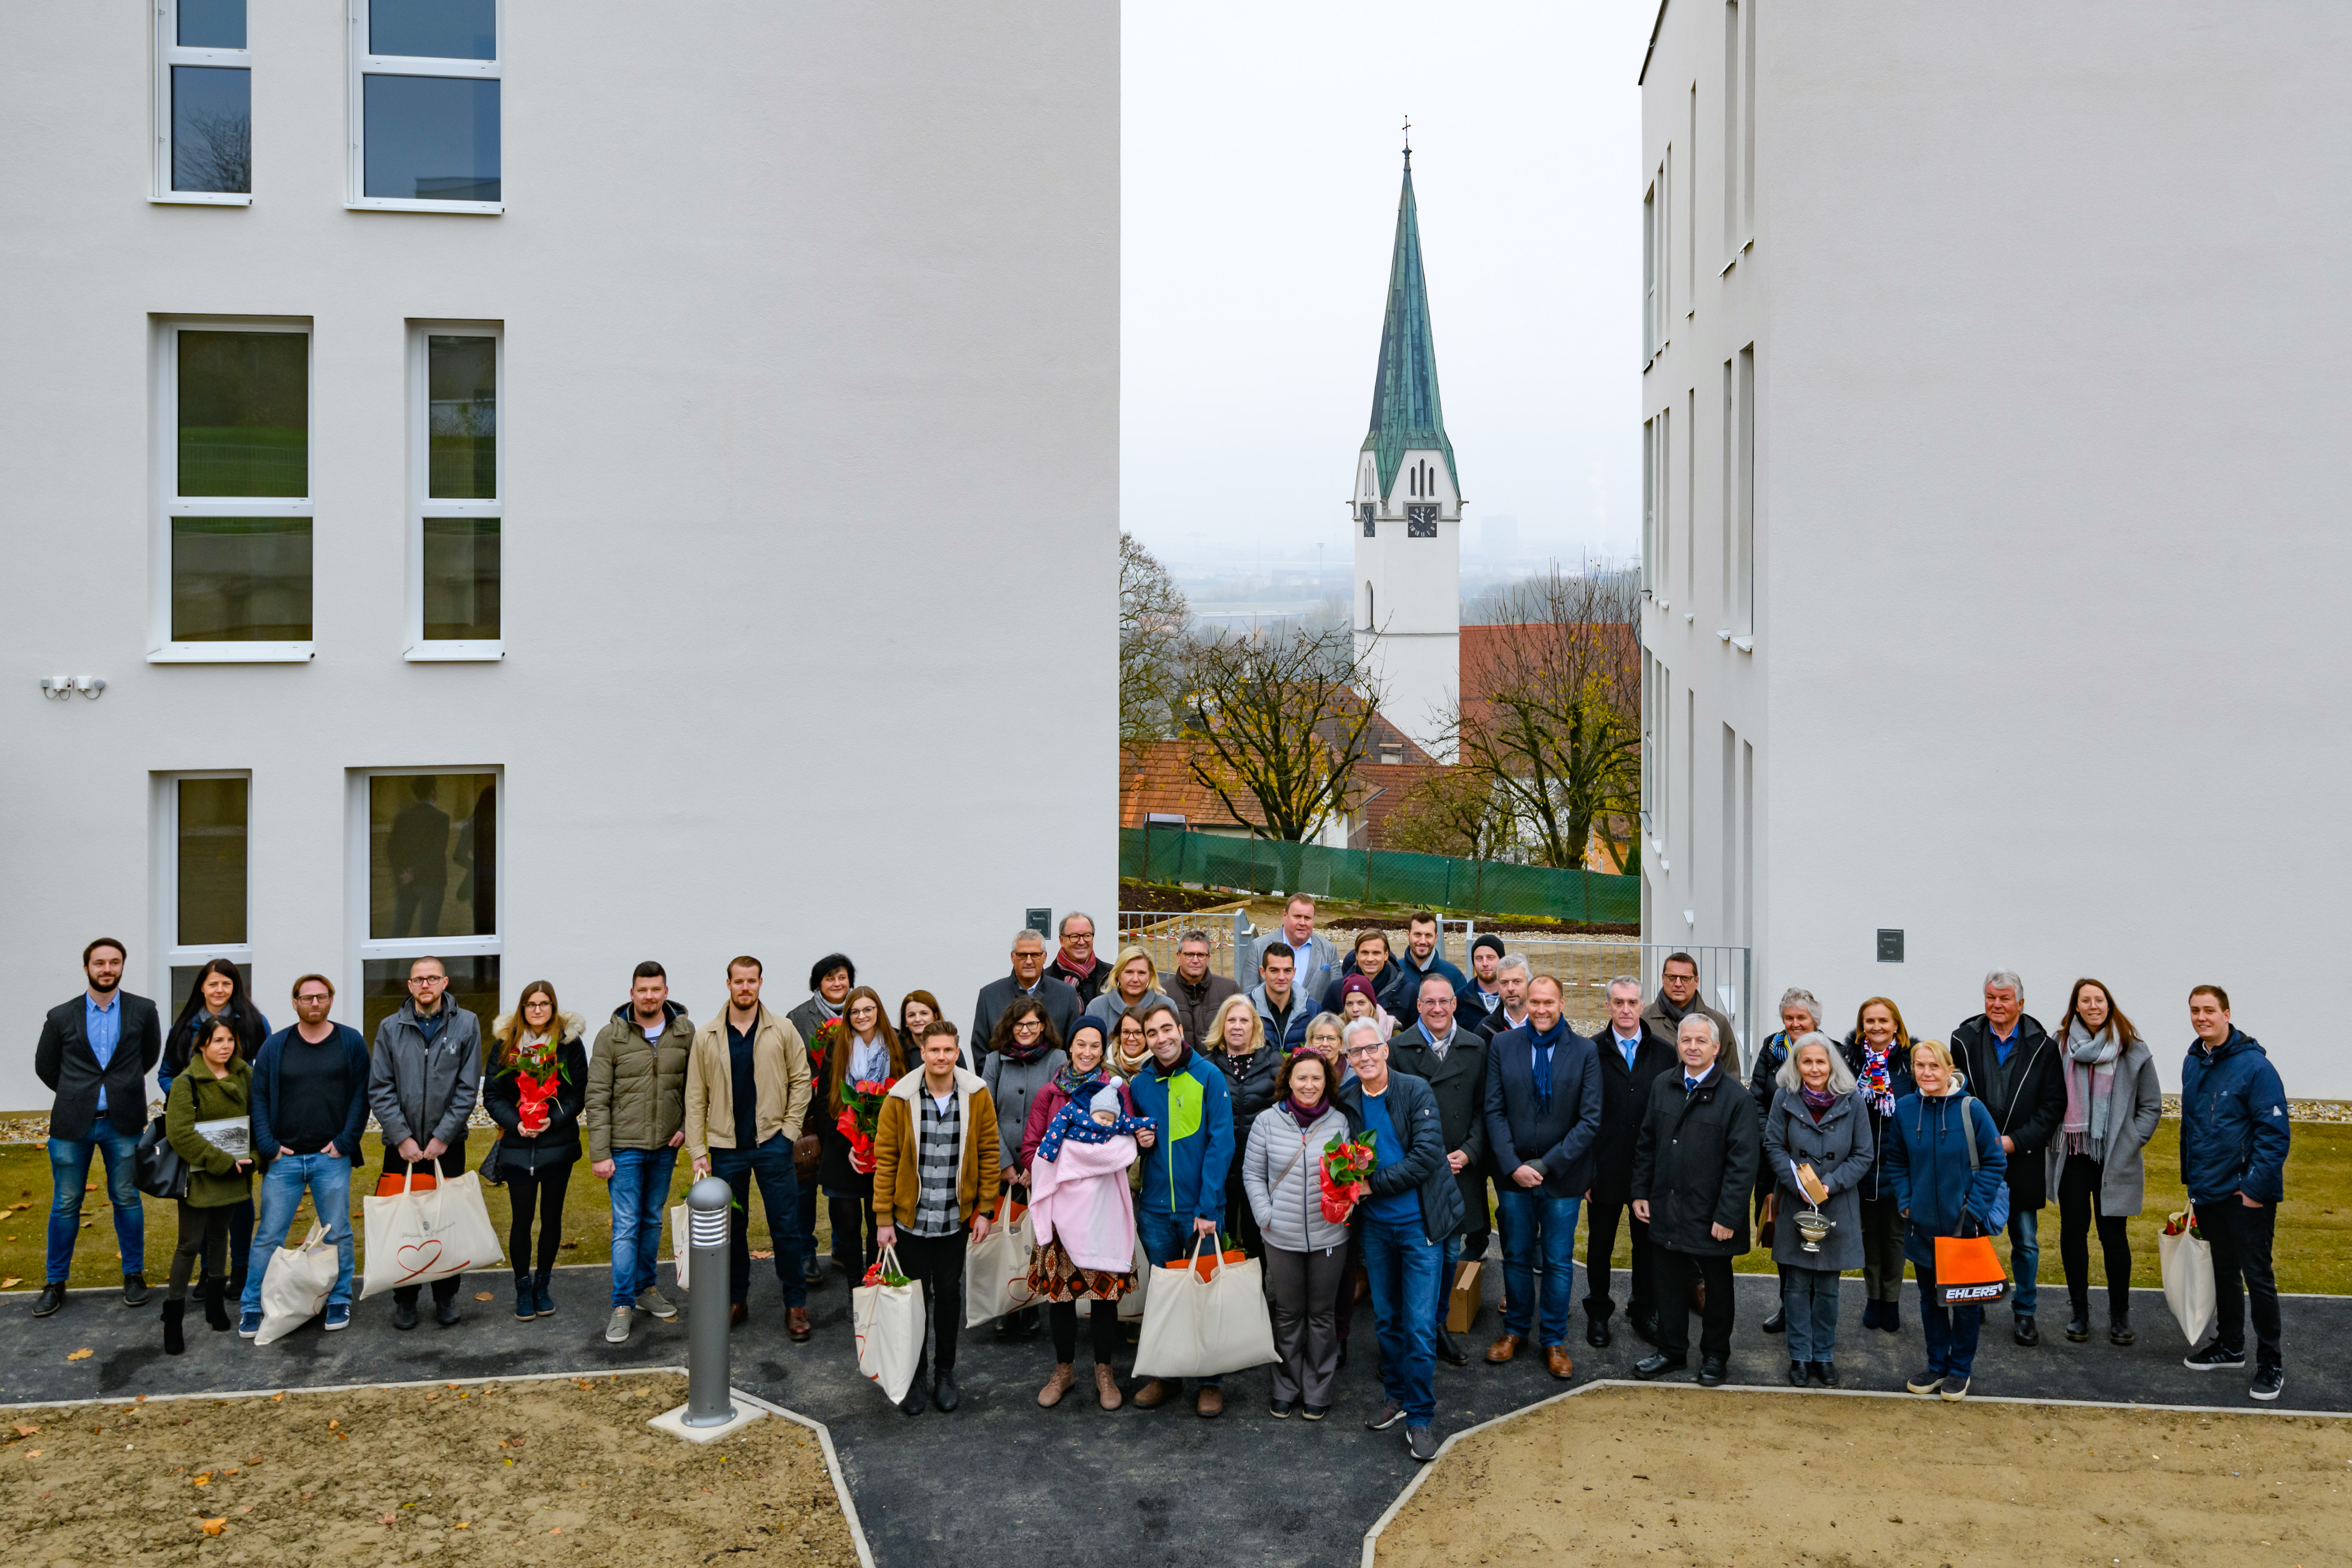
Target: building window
{"x":204,"y":103}
{"x":205,"y":821}
{"x":1650,"y":263}
{"x":1371,"y":616}
{"x":1743,"y":609}
{"x":1392,"y":753}
{"x":235,"y":527}
{"x":1365,"y":511}
{"x":1649,"y":741}
{"x":427,"y":846}
{"x":425,"y":79}
{"x":456,"y":516}
{"x":1731,"y":120}
{"x":1649,"y":499}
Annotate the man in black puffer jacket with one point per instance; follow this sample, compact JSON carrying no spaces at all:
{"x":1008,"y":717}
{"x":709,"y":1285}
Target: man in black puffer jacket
{"x":1692,"y":1170}
{"x":2010,"y":1063}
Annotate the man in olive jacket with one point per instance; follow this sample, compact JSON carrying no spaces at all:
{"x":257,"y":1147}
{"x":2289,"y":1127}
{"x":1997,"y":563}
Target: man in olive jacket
{"x":1452,"y":1059}
{"x":2010,"y":1063}
{"x":1694,"y":1167}
{"x":636,"y":1120}
{"x":424,"y":1077}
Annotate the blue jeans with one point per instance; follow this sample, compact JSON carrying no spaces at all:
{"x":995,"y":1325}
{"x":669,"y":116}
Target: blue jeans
{"x":2024,"y":1256}
{"x":639,"y":1192}
{"x":327,"y":1180}
{"x":804,"y":1232}
{"x":1402,"y":1265}
{"x":69,"y":1169}
{"x":1537,"y":1224}
{"x":1810,"y":1298}
{"x":1950,"y":1331}
{"x":771,"y":1165}
{"x":1166,"y":1240}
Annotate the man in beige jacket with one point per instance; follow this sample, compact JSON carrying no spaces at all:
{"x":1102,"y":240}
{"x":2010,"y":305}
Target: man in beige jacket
{"x":747,"y":1093}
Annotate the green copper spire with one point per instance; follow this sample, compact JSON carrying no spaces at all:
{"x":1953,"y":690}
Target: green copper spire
{"x":1405,"y":410}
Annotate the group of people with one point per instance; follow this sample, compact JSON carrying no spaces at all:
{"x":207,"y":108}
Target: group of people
{"x":1205,"y":1111}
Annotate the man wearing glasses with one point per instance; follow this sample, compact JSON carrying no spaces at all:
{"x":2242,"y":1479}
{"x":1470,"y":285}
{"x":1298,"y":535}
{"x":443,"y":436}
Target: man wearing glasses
{"x":310,"y":1104}
{"x":423,"y":1079}
{"x":1076,"y":965}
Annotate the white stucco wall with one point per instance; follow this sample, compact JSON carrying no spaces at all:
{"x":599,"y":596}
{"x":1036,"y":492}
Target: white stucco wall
{"x":782,"y":289}
{"x":2049,"y":344}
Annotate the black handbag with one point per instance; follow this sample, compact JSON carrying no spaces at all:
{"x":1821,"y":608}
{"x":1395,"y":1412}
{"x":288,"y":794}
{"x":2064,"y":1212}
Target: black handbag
{"x":159,"y":1171}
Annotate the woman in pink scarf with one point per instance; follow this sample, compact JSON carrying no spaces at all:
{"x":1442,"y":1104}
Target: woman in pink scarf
{"x":1079,"y":1145}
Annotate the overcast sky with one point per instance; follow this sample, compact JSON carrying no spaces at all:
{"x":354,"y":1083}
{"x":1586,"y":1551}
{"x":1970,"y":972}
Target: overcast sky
{"x":1260,"y":172}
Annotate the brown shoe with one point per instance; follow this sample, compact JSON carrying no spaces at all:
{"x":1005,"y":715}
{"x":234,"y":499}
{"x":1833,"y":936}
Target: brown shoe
{"x":797,"y":1324}
{"x":1065,"y":1374}
{"x":1209,"y":1404}
{"x":1556,"y":1361}
{"x":1504,"y":1349}
{"x":738,"y":1315}
{"x":1151,"y":1395}
{"x":1107,"y":1388}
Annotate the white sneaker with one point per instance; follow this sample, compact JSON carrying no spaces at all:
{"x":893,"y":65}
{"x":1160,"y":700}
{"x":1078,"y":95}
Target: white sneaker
{"x":652,"y":1300}
{"x":617,"y":1333}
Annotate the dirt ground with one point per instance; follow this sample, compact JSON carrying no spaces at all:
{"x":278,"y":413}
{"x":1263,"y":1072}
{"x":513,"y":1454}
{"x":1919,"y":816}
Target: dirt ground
{"x":1672,"y":1476}
{"x":557,"y":1471}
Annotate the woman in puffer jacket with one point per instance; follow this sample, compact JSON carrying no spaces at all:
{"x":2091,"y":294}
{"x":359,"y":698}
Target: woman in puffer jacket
{"x":1306,"y":1254}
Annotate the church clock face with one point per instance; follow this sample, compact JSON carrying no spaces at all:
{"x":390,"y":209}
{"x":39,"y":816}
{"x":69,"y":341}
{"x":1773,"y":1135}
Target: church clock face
{"x":1420,"y":522}
{"x":1364,"y":512}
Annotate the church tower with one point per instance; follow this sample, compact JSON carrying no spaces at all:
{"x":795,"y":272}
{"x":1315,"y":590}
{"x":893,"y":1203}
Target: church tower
{"x":1407,"y":511}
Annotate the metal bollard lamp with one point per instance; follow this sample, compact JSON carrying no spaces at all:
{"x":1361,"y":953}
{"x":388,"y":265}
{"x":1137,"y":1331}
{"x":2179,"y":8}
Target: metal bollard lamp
{"x":707,"y":1403}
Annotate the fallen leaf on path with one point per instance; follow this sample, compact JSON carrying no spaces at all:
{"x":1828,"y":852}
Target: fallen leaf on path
{"x":275,"y":1398}
{"x":35,"y":1453}
{"x":204,"y":1480}
{"x":23,"y":1431}
{"x":213,"y":1526}
{"x":332,"y":1424}
{"x":482,"y":1296}
{"x":387,"y":1519}
{"x":557,"y":1530}
{"x":82,"y":1354}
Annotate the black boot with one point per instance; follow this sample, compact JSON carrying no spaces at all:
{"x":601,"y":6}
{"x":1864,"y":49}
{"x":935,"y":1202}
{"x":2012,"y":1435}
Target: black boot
{"x":1777,"y":1321}
{"x":538,"y":1291}
{"x":2078,"y":1322}
{"x":215,"y":1313}
{"x":2119,"y":1329}
{"x":236,"y":1284}
{"x":1448,"y":1352}
{"x":175,"y":1341}
{"x":526,"y":1298}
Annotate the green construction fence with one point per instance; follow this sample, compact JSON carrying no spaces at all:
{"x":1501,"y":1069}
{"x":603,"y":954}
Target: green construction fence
{"x":1377,"y":876}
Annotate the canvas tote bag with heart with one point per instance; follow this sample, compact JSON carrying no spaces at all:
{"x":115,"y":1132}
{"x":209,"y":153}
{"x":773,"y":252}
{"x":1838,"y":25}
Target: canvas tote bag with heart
{"x":416,"y":1237}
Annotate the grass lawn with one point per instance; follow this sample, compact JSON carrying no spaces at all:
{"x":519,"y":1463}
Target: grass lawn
{"x":2313,"y":1253}
{"x":24,"y":1229}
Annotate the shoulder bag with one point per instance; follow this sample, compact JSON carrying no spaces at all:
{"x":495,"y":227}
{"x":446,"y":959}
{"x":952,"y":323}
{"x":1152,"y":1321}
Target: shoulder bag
{"x":159,"y":1172}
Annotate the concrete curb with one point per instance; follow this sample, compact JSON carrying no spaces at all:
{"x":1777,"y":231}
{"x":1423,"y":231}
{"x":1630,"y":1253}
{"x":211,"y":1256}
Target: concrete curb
{"x":1372,"y":1536}
{"x":824,"y":1436}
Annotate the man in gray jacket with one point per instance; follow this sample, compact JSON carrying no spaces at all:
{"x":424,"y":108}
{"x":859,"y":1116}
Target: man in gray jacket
{"x":424,"y":1077}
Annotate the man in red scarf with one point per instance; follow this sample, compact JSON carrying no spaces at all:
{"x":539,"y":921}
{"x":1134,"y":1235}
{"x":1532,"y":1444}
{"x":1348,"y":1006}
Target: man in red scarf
{"x":1075,"y":964}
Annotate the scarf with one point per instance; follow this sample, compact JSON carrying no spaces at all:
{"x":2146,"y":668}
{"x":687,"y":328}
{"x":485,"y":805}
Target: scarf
{"x":869,"y":1059}
{"x":2090,"y":1089}
{"x":1081,"y":1086}
{"x":1013,"y":1051}
{"x":1305,"y":1115}
{"x":1878,"y":1079}
{"x":1077,"y":1121}
{"x":1544,"y":1041}
{"x":1817,"y":1101}
{"x":1062,"y":963}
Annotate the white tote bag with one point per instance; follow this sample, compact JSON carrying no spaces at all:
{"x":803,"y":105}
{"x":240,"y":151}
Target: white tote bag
{"x":889,"y":1324}
{"x":415,"y":1238}
{"x":681,"y":1248}
{"x":295,"y":1288}
{"x":1130,"y":1305}
{"x":2187,"y":1264}
{"x":1204,"y":1328}
{"x":996,"y":1269}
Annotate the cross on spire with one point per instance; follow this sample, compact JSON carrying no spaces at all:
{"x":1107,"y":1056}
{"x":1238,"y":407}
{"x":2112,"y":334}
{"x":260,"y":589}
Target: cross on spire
{"x":1408,"y":141}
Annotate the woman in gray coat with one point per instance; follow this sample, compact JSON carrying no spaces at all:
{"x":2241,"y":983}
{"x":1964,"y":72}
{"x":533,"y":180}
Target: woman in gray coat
{"x":1306,"y":1254}
{"x":1023,"y":1057}
{"x":2113,"y":1104}
{"x":1818,"y":1147}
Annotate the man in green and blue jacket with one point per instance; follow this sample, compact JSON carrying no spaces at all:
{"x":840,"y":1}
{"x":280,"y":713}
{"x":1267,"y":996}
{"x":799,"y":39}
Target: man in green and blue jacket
{"x":1190,"y":1151}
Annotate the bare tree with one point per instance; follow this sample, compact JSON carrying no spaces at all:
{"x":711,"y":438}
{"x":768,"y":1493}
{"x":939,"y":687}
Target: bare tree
{"x":1455,"y":811}
{"x":1549,"y":716}
{"x":1282,"y":720}
{"x":1153,"y":619}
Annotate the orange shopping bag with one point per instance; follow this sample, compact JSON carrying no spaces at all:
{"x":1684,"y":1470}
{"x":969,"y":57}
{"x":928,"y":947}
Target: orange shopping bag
{"x":1969,"y":1272}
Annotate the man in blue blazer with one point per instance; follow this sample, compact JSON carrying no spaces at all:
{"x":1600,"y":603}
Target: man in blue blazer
{"x":95,"y":1053}
{"x":1543,"y":1116}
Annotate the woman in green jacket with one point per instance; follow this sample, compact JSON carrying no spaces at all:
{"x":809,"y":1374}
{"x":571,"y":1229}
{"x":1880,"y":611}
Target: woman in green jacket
{"x":217,"y":1086}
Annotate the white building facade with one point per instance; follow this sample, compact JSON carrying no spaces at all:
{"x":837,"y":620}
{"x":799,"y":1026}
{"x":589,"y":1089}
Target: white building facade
{"x":1406,"y":508}
{"x":555,"y":488}
{"x":1993,"y":408}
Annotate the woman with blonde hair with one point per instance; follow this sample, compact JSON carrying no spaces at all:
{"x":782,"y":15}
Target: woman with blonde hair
{"x":1950,"y":1178}
{"x":874,"y":1054}
{"x":1878,"y":1053}
{"x":1134,"y":979}
{"x":538,"y":1087}
{"x":1236,"y":1043}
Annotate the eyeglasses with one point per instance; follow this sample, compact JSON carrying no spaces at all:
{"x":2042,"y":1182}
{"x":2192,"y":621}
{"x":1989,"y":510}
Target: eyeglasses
{"x":315,"y":996}
{"x":1362,"y":1050}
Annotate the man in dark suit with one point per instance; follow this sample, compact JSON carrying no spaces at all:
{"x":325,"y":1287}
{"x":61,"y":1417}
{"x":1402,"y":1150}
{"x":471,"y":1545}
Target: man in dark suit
{"x":1543,"y":1115}
{"x":1028,"y":978}
{"x":95,"y":1052}
{"x":1632,"y":1056}
{"x":830,"y":978}
{"x":1452,"y":1059}
{"x":2011,"y":1064}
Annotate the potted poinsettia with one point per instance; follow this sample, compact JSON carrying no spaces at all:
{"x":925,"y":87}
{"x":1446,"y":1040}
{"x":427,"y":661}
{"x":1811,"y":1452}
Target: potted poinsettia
{"x":1347,"y":1170}
{"x":861,"y":1112}
{"x":833,"y":1035}
{"x":539,"y":1076}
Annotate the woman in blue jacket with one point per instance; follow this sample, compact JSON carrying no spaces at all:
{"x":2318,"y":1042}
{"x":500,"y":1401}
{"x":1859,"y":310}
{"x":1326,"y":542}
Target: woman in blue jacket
{"x":1942,"y":1188}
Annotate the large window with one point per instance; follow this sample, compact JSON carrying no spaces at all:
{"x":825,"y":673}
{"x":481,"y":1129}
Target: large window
{"x":234,"y":529}
{"x":425,"y":105}
{"x":453,"y":372}
{"x":427,"y":847}
{"x":204,"y":103}
{"x":205,"y":819}
{"x":1743,"y":609}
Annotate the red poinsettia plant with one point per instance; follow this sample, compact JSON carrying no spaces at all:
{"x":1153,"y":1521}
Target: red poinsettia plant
{"x":861,"y":1112}
{"x":539,"y":1074}
{"x":1347,"y":1172}
{"x":833,"y":1035}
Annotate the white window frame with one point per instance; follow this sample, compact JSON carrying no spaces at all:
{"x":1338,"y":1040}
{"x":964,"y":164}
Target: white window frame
{"x":170,"y":954}
{"x":169,"y":503}
{"x":364,"y":949}
{"x":168,"y":53}
{"x":1649,"y":275}
{"x":364,"y":65}
{"x":422,"y":505}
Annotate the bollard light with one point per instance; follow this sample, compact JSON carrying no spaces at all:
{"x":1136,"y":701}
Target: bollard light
{"x":710,"y":1410}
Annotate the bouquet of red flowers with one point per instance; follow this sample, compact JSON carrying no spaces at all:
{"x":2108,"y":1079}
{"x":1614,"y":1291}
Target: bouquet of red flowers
{"x":2175,"y":1223}
{"x":831,"y":1035}
{"x":1347,"y":1170}
{"x":876,"y":1275}
{"x":861,"y":1112}
{"x":538,"y":1073}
